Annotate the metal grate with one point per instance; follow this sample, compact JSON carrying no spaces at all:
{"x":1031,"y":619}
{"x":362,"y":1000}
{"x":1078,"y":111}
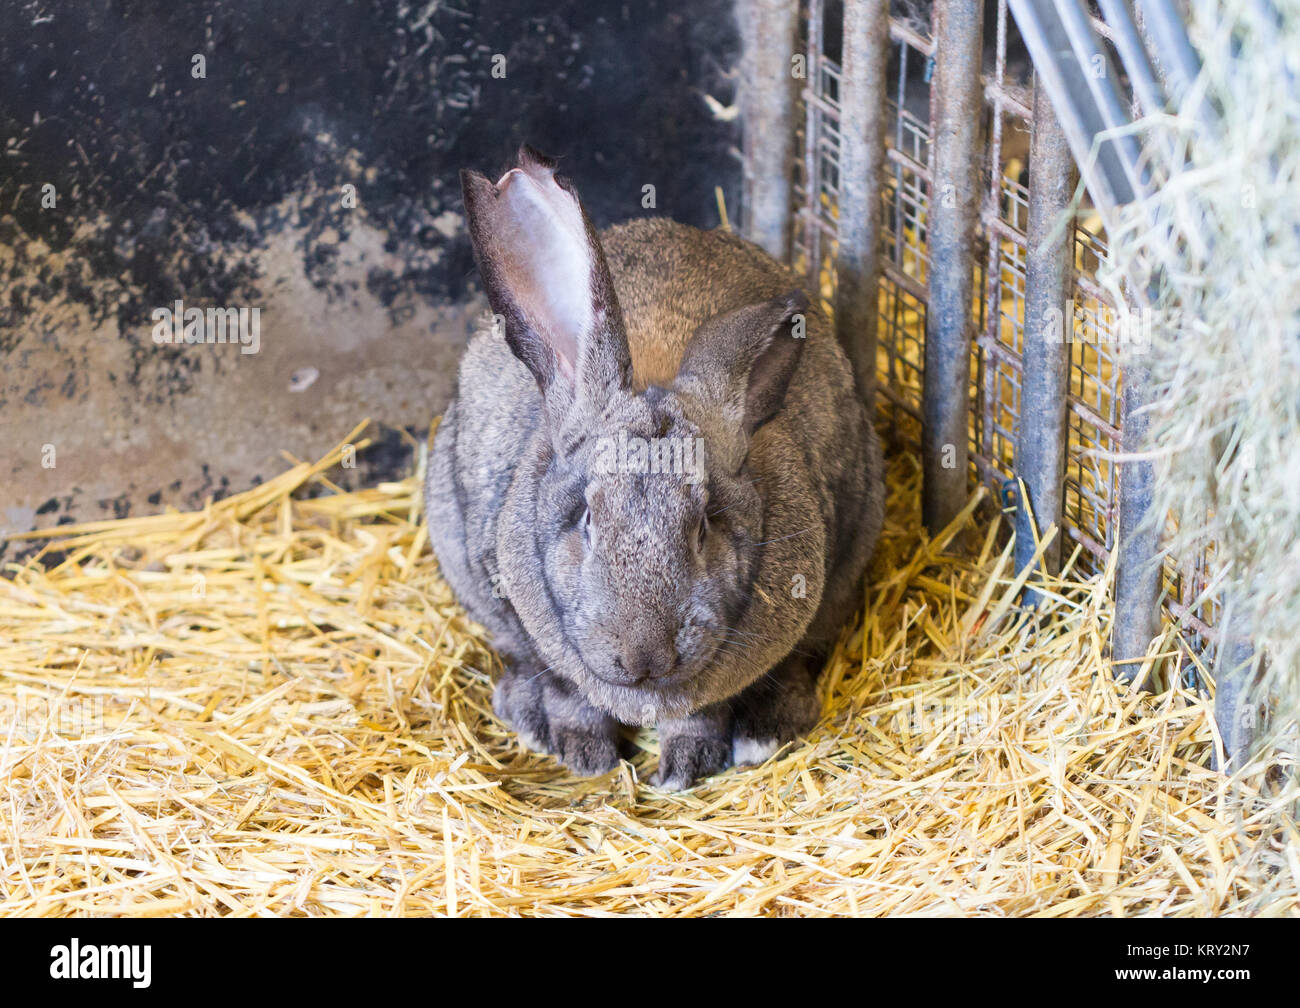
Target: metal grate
{"x":1090,"y":489}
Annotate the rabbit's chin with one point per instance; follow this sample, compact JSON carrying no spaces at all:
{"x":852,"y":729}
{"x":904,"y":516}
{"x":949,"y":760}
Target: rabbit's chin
{"x":643,"y":705}
{"x":670,"y":698}
{"x":683,"y":692}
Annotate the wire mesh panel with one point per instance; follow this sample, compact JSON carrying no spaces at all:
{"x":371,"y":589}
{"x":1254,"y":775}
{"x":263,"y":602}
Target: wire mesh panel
{"x":817,"y":177}
{"x":904,"y":200}
{"x":1091,"y":321}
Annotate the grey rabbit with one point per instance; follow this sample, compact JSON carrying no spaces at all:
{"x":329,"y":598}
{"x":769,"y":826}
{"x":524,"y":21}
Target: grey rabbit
{"x":657,"y":486}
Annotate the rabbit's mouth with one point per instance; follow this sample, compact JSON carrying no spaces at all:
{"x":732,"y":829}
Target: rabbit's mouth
{"x":677,"y":672}
{"x":669,"y":689}
{"x":617,"y":675}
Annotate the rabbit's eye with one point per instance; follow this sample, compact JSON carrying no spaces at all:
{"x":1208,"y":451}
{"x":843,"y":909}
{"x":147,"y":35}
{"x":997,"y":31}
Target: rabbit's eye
{"x":702,"y":532}
{"x":577,"y":513}
{"x":585,"y":521}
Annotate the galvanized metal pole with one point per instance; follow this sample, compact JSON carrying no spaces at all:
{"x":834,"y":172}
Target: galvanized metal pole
{"x":812,"y":145}
{"x":1042,"y":438}
{"x":1237,"y":709}
{"x":1128,"y":42}
{"x":862,"y":158}
{"x":1064,"y":48}
{"x":954,"y":211}
{"x":1137,"y":571}
{"x":1179,"y":64}
{"x":769,"y":98}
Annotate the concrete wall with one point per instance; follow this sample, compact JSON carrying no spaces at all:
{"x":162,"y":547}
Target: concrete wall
{"x":229,"y":190}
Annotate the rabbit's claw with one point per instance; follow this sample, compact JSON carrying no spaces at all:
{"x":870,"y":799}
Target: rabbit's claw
{"x":550,"y":716}
{"x":694,"y":747}
{"x":778,"y":708}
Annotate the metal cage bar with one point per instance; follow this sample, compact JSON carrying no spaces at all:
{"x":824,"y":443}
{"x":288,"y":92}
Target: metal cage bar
{"x":1063,"y":44}
{"x":956,"y":103}
{"x":769,"y":100}
{"x":813,"y":128}
{"x":862,"y":155}
{"x":1043,"y":435}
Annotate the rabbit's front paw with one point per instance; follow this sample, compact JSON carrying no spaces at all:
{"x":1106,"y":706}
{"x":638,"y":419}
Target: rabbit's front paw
{"x":549,"y":715}
{"x":694,"y":747}
{"x":776,"y":709}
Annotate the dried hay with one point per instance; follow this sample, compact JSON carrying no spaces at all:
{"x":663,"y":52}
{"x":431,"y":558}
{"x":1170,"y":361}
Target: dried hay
{"x":274,"y":706}
{"x":1220,"y":238}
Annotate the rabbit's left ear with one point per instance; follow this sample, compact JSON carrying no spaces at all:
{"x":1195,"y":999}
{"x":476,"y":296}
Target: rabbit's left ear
{"x":546,"y":274}
{"x":743,"y":361}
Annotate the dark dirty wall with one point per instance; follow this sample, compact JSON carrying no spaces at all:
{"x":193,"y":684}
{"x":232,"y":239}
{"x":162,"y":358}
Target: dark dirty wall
{"x":228,"y":190}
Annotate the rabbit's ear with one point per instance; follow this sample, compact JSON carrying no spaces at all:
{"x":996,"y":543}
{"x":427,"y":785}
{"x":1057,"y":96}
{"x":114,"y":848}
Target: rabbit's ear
{"x":546,"y":275}
{"x":744,"y":360}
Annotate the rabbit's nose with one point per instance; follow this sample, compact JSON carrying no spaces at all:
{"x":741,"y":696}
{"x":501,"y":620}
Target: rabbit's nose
{"x":644,"y":660}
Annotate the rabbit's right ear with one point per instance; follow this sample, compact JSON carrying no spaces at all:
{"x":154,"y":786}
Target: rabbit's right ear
{"x":743,"y":361}
{"x":546,"y":275}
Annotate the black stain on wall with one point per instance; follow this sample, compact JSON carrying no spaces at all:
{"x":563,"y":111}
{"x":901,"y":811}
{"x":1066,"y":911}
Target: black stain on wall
{"x":300,"y":98}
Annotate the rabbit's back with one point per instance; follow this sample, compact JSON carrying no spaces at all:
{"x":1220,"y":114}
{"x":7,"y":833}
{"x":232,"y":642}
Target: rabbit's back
{"x":671,"y":277}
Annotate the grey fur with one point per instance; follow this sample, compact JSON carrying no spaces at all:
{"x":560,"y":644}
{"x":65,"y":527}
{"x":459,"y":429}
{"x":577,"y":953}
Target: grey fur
{"x":602,"y":598}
